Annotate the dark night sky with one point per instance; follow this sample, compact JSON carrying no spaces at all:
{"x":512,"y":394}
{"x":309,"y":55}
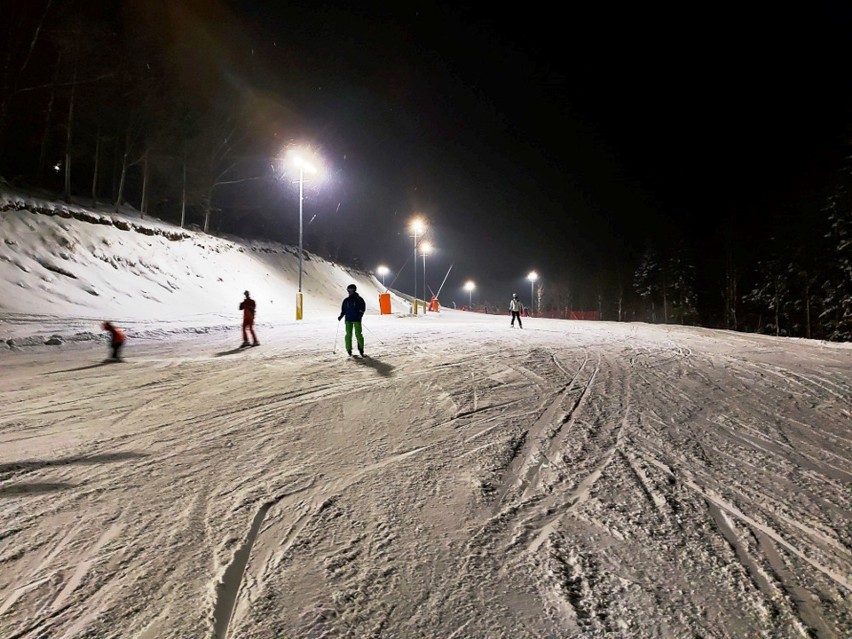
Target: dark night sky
{"x":531,"y":138}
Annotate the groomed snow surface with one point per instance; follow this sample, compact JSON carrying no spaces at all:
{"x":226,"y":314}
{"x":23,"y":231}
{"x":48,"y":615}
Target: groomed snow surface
{"x":465,"y":480}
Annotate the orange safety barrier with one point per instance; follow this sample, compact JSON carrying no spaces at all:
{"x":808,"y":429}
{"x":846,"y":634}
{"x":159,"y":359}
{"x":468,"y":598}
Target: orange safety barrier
{"x":384,"y":304}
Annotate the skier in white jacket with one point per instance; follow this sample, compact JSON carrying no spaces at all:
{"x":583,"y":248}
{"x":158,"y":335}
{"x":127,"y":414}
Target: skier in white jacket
{"x":515,"y":307}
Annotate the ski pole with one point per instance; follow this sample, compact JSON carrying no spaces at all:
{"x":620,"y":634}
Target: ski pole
{"x":336,"y":335}
{"x":373,"y":334}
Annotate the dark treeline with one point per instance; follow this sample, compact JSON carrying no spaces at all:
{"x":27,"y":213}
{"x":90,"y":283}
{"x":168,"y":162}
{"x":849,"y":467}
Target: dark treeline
{"x":119,"y":102}
{"x":788,"y":276}
{"x":792,"y":278}
{"x":780,"y":264}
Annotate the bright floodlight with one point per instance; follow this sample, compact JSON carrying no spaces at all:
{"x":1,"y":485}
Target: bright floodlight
{"x":532,"y":277}
{"x":425,"y":248}
{"x":469,"y":286}
{"x":303,"y":160}
{"x":418,"y":226}
{"x":382,"y":271}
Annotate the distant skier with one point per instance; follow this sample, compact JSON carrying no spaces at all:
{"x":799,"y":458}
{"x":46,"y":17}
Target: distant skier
{"x":515,"y":307}
{"x":248,"y":306}
{"x":116,"y":340}
{"x":353,"y":309}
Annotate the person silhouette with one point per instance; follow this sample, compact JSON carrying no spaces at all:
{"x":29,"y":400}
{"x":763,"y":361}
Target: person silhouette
{"x":116,"y":340}
{"x":515,"y":307}
{"x":248,"y":307}
{"x":353,"y":308}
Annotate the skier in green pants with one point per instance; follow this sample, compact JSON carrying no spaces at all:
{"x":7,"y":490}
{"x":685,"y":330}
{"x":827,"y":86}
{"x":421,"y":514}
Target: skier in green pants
{"x":353,"y":309}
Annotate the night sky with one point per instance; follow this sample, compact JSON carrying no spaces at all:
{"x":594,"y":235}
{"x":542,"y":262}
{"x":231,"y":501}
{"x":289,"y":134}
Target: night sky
{"x":531,"y":137}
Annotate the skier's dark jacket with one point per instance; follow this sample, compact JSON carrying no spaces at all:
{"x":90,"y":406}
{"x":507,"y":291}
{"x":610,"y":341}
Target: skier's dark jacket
{"x":353,"y":308}
{"x":248,"y":307}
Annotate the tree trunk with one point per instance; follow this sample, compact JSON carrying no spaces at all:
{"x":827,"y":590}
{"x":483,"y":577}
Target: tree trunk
{"x":45,"y":136}
{"x":620,"y":299}
{"x":143,"y":206}
{"x":207,"y":206}
{"x":807,"y":309}
{"x":183,"y":196}
{"x":11,"y":80}
{"x":777,"y":314}
{"x":732,"y":303}
{"x":95,"y":170}
{"x":68,"y":134}
{"x":123,"y":177}
{"x":116,"y":154}
{"x":730,"y":288}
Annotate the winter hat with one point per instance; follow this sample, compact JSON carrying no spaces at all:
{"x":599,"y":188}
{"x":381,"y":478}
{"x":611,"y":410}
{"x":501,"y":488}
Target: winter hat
{"x":351,"y":288}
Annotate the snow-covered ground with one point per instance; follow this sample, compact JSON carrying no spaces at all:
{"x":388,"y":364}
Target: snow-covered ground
{"x":466,"y":480}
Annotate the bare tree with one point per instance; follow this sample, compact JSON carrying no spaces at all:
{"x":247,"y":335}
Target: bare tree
{"x":69,"y":127}
{"x":24,"y":22}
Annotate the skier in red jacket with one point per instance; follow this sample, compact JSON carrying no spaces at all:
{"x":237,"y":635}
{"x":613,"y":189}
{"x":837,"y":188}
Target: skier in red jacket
{"x":248,"y":306}
{"x":116,"y":338}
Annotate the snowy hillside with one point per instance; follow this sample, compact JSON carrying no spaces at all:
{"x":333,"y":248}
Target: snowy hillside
{"x":64,"y":268}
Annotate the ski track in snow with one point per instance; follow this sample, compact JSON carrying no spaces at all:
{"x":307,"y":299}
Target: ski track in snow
{"x":573,"y":479}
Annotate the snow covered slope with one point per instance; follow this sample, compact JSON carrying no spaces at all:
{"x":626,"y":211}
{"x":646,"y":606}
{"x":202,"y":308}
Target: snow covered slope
{"x":64,"y":268}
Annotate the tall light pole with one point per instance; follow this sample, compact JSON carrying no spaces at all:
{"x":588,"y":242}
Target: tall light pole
{"x":382,"y":271}
{"x":298,"y":158}
{"x":469,"y":286}
{"x":417,"y":228}
{"x":425,"y":249}
{"x":532,"y":277}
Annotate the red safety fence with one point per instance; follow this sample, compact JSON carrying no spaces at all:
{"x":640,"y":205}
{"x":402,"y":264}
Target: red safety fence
{"x":574,"y":315}
{"x":563,"y":314}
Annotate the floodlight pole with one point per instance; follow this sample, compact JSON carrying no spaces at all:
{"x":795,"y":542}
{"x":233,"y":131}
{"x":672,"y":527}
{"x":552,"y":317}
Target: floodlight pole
{"x":425,"y":303}
{"x":414,"y":301}
{"x":417,"y":227}
{"x":301,"y":200}
{"x":303,"y":165}
{"x":532,"y":277}
{"x":532,"y":297}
